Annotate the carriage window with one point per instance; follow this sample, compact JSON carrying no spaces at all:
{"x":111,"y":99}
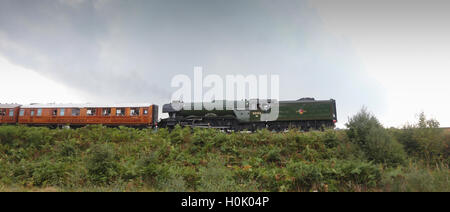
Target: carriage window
{"x":75,"y":111}
{"x":54,"y":112}
{"x":106,"y":111}
{"x":39,"y":112}
{"x":145,"y":111}
{"x":32,"y":112}
{"x":11,"y":112}
{"x":61,"y":112}
{"x":120,"y":111}
{"x":91,"y":112}
{"x":134,"y":111}
{"x":22,"y":112}
{"x":2,"y":112}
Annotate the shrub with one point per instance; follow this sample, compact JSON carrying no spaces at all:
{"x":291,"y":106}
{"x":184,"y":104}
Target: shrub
{"x":424,"y":140}
{"x":348,"y":150}
{"x":49,"y":173}
{"x":97,"y":158}
{"x":22,"y":172}
{"x":382,"y":148}
{"x":359,"y":172}
{"x":273,"y":155}
{"x":376,"y":143}
{"x":216,"y":178}
{"x":9,"y":135}
{"x":305,"y":175}
{"x":329,"y":175}
{"x":418,"y":178}
{"x":176,"y":136}
{"x":360,"y":125}
{"x":67,"y":148}
{"x":102,"y":164}
{"x":330,"y":138}
{"x":151,"y":170}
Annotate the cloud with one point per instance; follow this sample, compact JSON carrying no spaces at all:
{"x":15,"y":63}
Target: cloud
{"x":73,"y":3}
{"x":130,"y":50}
{"x":404,"y":46}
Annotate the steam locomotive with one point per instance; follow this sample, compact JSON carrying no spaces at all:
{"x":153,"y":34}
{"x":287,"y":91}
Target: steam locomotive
{"x":305,"y":114}
{"x":253,"y":114}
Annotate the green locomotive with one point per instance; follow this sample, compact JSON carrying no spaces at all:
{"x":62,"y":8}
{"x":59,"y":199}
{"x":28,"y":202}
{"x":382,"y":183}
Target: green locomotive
{"x":253,"y":114}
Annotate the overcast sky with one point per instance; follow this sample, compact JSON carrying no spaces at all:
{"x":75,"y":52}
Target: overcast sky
{"x":391,"y":56}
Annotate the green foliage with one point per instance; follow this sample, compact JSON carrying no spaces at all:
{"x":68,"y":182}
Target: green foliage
{"x":151,"y":170}
{"x":330,"y":175}
{"x":330,"y":139}
{"x":373,"y":139}
{"x":102,"y":164}
{"x":360,"y":125}
{"x":98,"y":158}
{"x":273,"y":155}
{"x":67,"y":149}
{"x":425,"y":140}
{"x":418,"y":178}
{"x":382,"y":148}
{"x":49,"y":173}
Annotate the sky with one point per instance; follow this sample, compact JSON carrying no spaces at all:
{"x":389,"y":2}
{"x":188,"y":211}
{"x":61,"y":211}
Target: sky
{"x":392,"y":57}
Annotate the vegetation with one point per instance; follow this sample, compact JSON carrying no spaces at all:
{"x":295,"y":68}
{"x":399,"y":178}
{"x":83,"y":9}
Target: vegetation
{"x":366,"y":157}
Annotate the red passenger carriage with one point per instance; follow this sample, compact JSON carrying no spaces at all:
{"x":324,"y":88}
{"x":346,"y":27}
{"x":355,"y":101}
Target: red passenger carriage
{"x":138,"y":115}
{"x":9,"y":113}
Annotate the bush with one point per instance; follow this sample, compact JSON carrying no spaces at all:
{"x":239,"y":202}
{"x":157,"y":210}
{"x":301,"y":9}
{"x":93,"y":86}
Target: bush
{"x":418,"y":178}
{"x":102,"y":164}
{"x":49,"y":173}
{"x":306,"y":176}
{"x":425,"y":140}
{"x":9,"y":135}
{"x":382,"y":148}
{"x":330,"y":175}
{"x":360,"y":125}
{"x":97,"y":158}
{"x":152,"y":171}
{"x":67,"y":149}
{"x":273,"y":154}
{"x":377,"y":144}
{"x":216,"y":177}
{"x":330,"y":138}
{"x":361,"y":173}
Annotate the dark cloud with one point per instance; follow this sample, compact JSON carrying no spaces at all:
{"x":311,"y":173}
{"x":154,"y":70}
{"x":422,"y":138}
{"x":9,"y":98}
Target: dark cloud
{"x":130,"y":50}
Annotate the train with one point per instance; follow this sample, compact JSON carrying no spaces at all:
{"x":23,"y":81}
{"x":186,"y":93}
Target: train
{"x":251,"y":115}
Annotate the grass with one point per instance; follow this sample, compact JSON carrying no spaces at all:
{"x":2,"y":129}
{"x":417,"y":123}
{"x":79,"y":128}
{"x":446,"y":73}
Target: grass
{"x":97,"y":158}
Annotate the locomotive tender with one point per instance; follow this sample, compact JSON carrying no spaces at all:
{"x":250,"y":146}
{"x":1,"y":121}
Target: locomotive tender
{"x":254,"y":114}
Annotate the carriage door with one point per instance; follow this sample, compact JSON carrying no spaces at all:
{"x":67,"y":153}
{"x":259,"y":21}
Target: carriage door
{"x":2,"y":114}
